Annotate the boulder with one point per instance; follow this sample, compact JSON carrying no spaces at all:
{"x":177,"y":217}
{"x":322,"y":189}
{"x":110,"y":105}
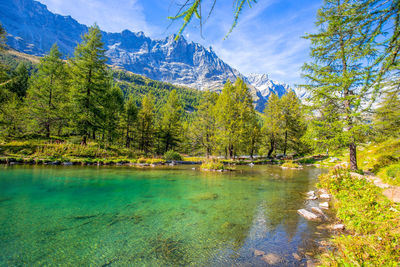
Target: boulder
{"x":338,"y":227}
{"x":324,"y":205}
{"x":325,"y":196}
{"x":308,"y":215}
{"x":320,"y":213}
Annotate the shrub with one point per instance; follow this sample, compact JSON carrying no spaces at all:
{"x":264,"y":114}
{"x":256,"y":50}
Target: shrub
{"x":391,"y":174}
{"x":172,"y":155}
{"x":383,"y":161}
{"x":212,"y":165}
{"x":371,"y":218}
{"x":141,"y":160}
{"x":291,"y":164}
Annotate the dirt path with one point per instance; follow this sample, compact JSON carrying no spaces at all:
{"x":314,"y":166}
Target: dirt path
{"x":392,"y":192}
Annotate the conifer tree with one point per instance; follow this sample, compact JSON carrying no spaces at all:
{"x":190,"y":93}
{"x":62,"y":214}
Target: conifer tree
{"x":204,"y":125}
{"x":387,"y":117}
{"x":18,"y":83}
{"x":273,"y":119}
{"x":90,"y":83}
{"x":146,"y":124}
{"x":112,"y":109}
{"x":130,"y":121}
{"x":340,"y":74}
{"x":293,"y":125}
{"x":47,"y":95}
{"x":170,"y":124}
{"x":235,"y":109}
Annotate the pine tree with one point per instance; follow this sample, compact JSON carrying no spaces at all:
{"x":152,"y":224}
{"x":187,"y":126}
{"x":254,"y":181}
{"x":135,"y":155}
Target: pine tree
{"x":146,"y":124}
{"x":340,"y":74}
{"x":90,"y":82}
{"x":130,"y":121}
{"x":387,"y":117}
{"x":204,"y":125}
{"x":18,"y":83}
{"x":47,"y":95}
{"x":273,"y":119}
{"x":112,"y":109}
{"x":234,"y":108}
{"x":170,"y":124}
{"x":293,"y":125}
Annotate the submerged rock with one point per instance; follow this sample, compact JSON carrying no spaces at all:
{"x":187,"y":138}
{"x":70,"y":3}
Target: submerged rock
{"x":258,"y":252}
{"x":271,"y":258}
{"x":296,"y":256}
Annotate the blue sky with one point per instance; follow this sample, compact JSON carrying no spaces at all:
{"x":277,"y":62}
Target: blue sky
{"x":266,"y":40}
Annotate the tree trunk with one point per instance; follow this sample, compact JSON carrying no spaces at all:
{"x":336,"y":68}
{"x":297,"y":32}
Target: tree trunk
{"x":84,"y":141}
{"x":94,"y":135}
{"x":271,"y":149}
{"x":285,"y":144}
{"x":353,"y":156}
{"x":47,"y":130}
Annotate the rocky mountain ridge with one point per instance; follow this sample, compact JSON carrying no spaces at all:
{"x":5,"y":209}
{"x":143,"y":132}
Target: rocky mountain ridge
{"x":33,"y":29}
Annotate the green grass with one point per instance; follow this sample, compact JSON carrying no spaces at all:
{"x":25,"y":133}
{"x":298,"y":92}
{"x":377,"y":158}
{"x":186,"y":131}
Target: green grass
{"x":212,"y":165}
{"x":372,"y":220}
{"x":291,"y":164}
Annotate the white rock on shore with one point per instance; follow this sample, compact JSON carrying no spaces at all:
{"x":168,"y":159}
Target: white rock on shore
{"x":308,"y":215}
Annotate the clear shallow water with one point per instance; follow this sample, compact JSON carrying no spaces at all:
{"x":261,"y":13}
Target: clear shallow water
{"x":81,"y":216}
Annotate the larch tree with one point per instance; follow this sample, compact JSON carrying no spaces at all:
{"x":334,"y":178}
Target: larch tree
{"x":340,"y":74}
{"x":272,"y":126}
{"x":204,"y":125}
{"x":130,"y":121}
{"x":90,"y":82}
{"x":293,"y":124}
{"x":170,"y":124}
{"x":47,"y":95}
{"x":146,"y":124}
{"x":113,"y":107}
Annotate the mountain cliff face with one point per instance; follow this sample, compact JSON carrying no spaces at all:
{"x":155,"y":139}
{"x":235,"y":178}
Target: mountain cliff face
{"x":33,"y":29}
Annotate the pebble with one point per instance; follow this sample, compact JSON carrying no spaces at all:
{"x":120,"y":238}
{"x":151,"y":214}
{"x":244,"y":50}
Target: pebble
{"x":258,"y":252}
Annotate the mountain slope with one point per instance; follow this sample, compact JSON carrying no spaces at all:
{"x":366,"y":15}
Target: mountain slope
{"x":33,"y":29}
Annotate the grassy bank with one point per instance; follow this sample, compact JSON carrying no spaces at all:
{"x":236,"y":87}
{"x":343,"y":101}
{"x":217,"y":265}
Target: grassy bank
{"x":372,"y":236}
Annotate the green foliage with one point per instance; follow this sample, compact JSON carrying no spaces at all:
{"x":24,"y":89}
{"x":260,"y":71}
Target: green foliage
{"x":212,"y":165}
{"x":90,"y":83}
{"x":172,"y":155}
{"x":48,"y":94}
{"x":342,"y":74}
{"x":366,"y":213}
{"x":190,"y":9}
{"x":291,"y":164}
{"x":387,"y":117}
{"x":170,"y":124}
{"x":146,"y":124}
{"x":390,"y":174}
{"x":235,"y":112}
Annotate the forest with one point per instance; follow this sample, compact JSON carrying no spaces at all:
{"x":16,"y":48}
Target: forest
{"x":352,"y":85}
{"x":83,"y":101}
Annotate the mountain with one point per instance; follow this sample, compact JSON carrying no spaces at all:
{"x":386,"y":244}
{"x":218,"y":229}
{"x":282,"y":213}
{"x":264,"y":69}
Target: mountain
{"x":33,"y":29}
{"x":267,"y":86}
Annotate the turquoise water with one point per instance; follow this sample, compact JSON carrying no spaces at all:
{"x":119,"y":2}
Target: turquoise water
{"x":123,"y":216}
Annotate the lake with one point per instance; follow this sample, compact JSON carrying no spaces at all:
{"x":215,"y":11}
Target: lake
{"x":167,"y":216}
